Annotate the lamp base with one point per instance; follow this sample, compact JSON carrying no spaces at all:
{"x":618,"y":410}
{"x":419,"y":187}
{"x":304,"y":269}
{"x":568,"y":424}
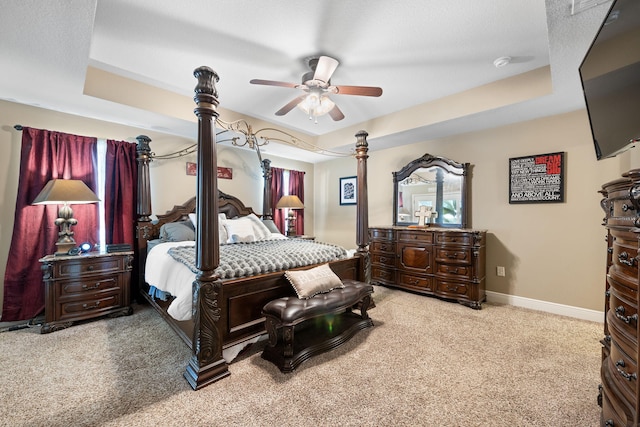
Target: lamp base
{"x":63,"y":248}
{"x":291,"y":224}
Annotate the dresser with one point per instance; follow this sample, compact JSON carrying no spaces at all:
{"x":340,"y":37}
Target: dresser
{"x":443,"y":262}
{"x":619,"y":372}
{"x":86,"y":286}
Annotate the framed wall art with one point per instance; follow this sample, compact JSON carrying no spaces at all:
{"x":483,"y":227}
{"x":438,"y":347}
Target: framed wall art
{"x":223,"y":173}
{"x":348,"y":190}
{"x":537,"y":179}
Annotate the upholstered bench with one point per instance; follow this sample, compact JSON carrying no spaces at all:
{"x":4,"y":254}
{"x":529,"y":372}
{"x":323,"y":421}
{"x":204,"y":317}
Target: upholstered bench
{"x":301,"y":328}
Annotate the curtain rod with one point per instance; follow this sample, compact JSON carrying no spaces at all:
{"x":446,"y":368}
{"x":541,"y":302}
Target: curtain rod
{"x":18,"y":127}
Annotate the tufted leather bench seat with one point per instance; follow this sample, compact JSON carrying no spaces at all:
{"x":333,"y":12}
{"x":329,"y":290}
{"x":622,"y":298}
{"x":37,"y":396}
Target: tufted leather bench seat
{"x":301,"y":328}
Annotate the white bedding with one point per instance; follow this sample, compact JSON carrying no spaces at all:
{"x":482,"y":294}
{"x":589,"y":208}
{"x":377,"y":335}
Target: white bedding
{"x":167,"y":274}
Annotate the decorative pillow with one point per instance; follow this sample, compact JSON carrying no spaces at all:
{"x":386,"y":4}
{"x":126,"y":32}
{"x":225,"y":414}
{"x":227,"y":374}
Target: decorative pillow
{"x":270,"y":225}
{"x":177,"y":232}
{"x":317,"y":280}
{"x":239,"y":231}
{"x":260,"y":230}
{"x":222,"y":232}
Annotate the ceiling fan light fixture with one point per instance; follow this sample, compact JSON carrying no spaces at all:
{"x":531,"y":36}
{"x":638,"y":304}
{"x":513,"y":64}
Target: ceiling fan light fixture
{"x":316,"y":105}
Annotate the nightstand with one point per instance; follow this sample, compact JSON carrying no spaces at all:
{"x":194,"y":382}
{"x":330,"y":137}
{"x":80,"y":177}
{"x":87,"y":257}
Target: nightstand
{"x":86,"y":286}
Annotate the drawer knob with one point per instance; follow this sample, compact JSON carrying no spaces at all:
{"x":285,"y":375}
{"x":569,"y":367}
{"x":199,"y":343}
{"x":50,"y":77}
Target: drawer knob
{"x":625,"y":375}
{"x":91,"y":267}
{"x":91,"y":307}
{"x":452,"y":255}
{"x":90,"y":288}
{"x":609,"y":423}
{"x":623,"y":258}
{"x":626,"y":207}
{"x":626,"y":319}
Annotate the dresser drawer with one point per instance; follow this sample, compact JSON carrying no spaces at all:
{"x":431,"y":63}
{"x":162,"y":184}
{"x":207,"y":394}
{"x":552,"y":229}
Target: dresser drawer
{"x":414,"y":281}
{"x":613,"y":410}
{"x":453,"y":255}
{"x":624,"y":371}
{"x":383,"y":246}
{"x":383,"y":275}
{"x":386,"y":259}
{"x":622,"y":316}
{"x":624,"y":262}
{"x":622,"y":207}
{"x":381,"y":234}
{"x":454,"y":238}
{"x":87,"y":287}
{"x":454,"y":270}
{"x":451,"y":289}
{"x":415,"y":236}
{"x":82,"y":266}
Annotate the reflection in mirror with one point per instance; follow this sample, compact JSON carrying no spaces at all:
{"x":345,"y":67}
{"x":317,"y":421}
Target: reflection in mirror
{"x":431,"y":190}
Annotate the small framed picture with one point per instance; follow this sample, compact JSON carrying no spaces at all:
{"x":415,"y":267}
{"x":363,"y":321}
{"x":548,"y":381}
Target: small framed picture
{"x":192,"y":168}
{"x":348,"y":190}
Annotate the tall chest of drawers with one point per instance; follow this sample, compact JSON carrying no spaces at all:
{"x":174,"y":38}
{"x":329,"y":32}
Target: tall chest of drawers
{"x":82,"y":287}
{"x":619,"y":371}
{"x":442,"y":262}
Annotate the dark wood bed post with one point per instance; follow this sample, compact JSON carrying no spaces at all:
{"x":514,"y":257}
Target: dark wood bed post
{"x":267,"y":211}
{"x":143,"y":212}
{"x":362,"y":211}
{"x":206,"y":364}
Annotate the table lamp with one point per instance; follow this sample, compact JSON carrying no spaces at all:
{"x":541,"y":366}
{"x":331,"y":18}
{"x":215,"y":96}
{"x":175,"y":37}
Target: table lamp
{"x":65,"y":192}
{"x":292,"y":203}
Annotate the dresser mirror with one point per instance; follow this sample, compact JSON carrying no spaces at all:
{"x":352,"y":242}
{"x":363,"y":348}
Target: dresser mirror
{"x":431,"y":190}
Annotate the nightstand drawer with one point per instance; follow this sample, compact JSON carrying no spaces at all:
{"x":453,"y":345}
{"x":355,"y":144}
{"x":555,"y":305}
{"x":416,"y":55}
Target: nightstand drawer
{"x":87,"y":286}
{"x":83,"y":266}
{"x":78,"y":310}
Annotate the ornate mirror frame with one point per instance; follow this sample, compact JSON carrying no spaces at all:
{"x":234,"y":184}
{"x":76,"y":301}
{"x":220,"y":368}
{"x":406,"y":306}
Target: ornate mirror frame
{"x":442,"y":167}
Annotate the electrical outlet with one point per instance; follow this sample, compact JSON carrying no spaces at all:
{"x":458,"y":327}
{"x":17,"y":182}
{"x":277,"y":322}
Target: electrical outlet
{"x":500,"y":271}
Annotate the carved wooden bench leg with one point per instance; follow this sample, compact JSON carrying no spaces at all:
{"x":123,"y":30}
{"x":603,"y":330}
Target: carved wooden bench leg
{"x":287,"y":337}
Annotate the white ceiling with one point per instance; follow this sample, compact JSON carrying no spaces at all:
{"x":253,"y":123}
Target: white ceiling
{"x":417,"y":50}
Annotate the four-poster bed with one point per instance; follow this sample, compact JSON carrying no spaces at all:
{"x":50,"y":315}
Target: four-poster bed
{"x":225,"y":312}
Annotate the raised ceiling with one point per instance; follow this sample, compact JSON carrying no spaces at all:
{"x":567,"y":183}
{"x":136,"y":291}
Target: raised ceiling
{"x":418,"y":51}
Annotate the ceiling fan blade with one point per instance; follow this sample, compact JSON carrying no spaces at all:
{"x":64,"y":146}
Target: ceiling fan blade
{"x":290,"y":106}
{"x":325,"y":68}
{"x":356,"y":90}
{"x":336,"y":114}
{"x":273,"y":83}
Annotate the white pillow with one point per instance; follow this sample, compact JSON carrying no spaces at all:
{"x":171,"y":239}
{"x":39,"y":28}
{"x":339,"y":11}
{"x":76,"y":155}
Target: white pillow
{"x":239,"y":230}
{"x":222,"y":232}
{"x":260,"y":230}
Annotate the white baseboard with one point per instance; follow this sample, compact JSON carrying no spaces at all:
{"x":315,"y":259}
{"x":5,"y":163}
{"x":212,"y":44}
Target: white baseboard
{"x":549,"y":307}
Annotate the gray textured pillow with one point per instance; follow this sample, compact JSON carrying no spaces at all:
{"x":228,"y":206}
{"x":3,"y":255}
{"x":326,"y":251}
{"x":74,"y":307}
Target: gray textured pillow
{"x":177,"y":232}
{"x":314,"y":281}
{"x":271,"y":225}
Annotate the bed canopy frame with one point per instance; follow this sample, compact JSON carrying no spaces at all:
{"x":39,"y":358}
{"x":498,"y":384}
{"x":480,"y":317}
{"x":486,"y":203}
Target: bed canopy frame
{"x":206,"y":364}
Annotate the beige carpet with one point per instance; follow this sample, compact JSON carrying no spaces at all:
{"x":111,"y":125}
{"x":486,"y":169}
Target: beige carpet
{"x":425,"y":363}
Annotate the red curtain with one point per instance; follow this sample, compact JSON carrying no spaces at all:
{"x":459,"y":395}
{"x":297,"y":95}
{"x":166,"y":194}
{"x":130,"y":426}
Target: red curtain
{"x":296,"y":187}
{"x":45,"y":155}
{"x":277,"y":191}
{"x":121,"y":178}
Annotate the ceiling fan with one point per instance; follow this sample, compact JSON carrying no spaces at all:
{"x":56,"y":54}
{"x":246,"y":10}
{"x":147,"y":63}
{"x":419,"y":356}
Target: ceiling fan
{"x":317,"y":85}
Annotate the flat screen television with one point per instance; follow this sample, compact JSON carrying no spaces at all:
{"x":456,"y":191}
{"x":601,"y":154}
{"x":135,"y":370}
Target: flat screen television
{"x":610,"y":76}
